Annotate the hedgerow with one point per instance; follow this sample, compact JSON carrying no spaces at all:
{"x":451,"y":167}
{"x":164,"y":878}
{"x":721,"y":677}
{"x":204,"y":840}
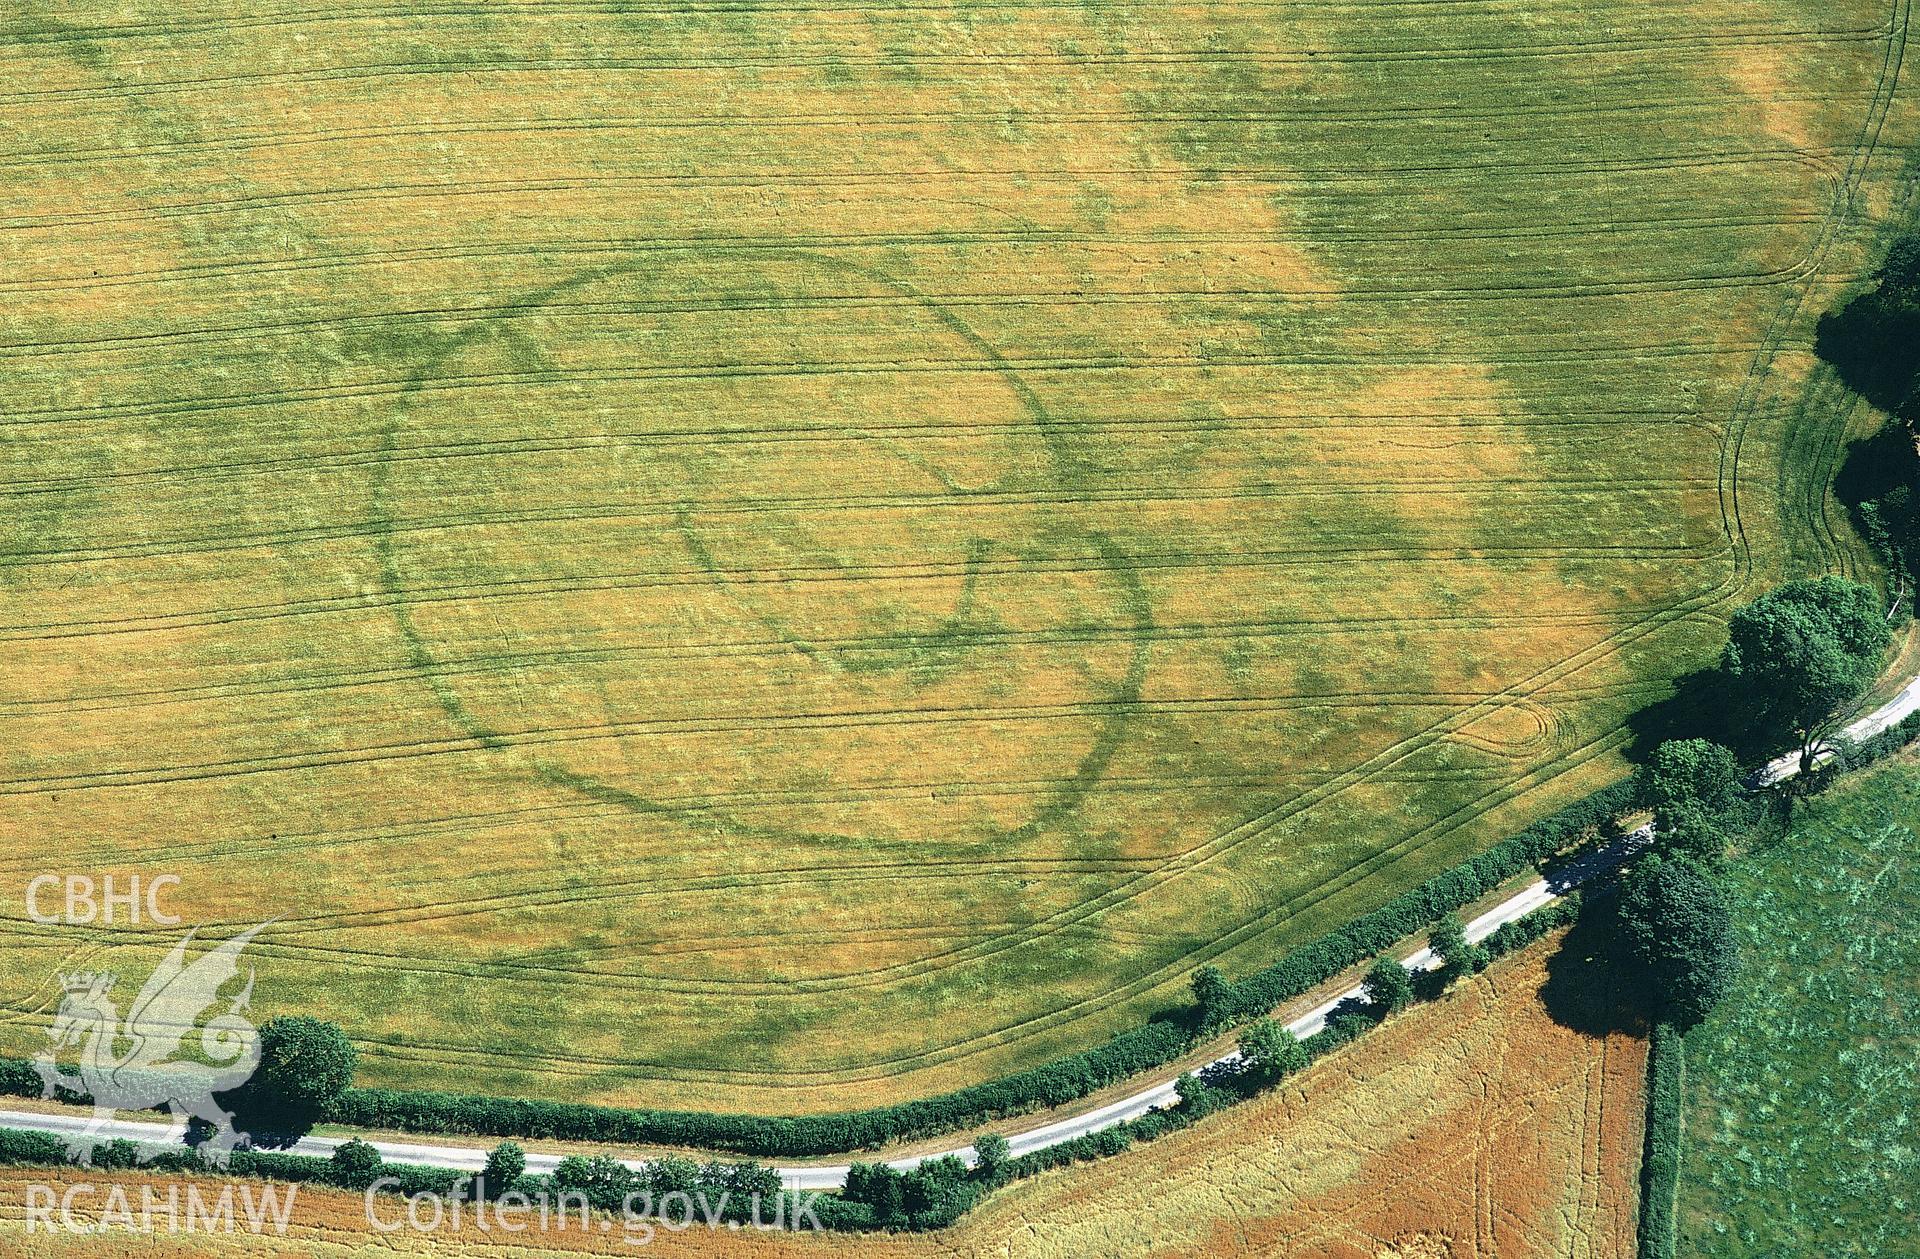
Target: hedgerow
{"x":44,"y":1149}
{"x":1225,"y":1086}
{"x":1858,"y":754}
{"x":1053,"y":1084}
{"x":1660,"y":1164}
{"x":1513,"y":936}
{"x":1420,"y":908}
{"x":736,"y":1193}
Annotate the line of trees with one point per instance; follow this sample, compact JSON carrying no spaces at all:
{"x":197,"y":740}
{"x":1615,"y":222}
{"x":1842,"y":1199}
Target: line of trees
{"x":1797,"y":663}
{"x":306,"y":1063}
{"x":876,"y":1196}
{"x":1873,"y":342}
{"x":1798,"y":660}
{"x":1219,"y":1003}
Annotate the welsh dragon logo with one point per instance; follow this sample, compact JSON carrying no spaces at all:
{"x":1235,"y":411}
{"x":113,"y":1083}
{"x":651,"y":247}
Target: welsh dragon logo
{"x":145,"y":1060}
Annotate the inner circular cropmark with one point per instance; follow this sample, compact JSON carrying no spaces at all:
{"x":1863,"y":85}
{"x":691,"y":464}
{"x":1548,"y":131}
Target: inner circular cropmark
{"x":763,"y":544}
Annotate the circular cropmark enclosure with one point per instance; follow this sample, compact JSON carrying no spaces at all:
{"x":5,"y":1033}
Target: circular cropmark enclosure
{"x":762,"y":542}
{"x":778,"y":559}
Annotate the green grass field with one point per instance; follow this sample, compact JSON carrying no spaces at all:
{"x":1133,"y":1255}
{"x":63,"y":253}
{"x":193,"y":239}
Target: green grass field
{"x":789,"y":557}
{"x":1799,"y":1118}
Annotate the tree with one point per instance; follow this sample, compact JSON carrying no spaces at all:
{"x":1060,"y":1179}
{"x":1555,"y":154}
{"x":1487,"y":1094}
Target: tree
{"x":930,"y":1189}
{"x":355,"y":1165}
{"x":881,"y":1187}
{"x":1675,"y":923}
{"x":505,"y":1165}
{"x":572,"y":1172}
{"x":1697,"y":770}
{"x":1801,"y":653}
{"x":675,"y":1173}
{"x":1389,"y":986}
{"x":991,"y":1150}
{"x":1900,"y":273}
{"x":602,"y":1180}
{"x":1449,"y":943}
{"x":1271,"y":1051}
{"x":746,"y":1181}
{"x":1874,"y":340}
{"x":1197,"y":1097}
{"x":1348,"y":1026}
{"x":1874,"y":343}
{"x":305,"y":1065}
{"x":1691,"y":829}
{"x":1214,"y":995}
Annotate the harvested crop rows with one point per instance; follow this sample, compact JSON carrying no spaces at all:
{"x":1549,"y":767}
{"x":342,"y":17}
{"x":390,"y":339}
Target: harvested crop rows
{"x":783,"y":558}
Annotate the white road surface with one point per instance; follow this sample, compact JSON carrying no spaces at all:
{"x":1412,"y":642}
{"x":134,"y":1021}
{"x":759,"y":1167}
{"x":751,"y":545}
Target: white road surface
{"x":1883,"y":718}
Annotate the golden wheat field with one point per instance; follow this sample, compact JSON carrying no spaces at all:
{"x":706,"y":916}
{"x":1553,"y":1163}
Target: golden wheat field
{"x":1480,"y":1126}
{"x":783,"y":557}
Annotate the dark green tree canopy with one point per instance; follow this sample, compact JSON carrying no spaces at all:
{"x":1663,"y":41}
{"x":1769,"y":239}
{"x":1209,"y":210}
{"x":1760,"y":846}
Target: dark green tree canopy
{"x":1447,"y":938}
{"x":929,"y":1188}
{"x":1449,"y":941}
{"x":590,"y":1176}
{"x":1213,"y":992}
{"x":992,"y":1149}
{"x":1874,"y":343}
{"x":1690,"y":828}
{"x":1690,"y":770}
{"x":305,"y":1065}
{"x":305,"y":1061}
{"x":1675,"y":923}
{"x":506,"y":1163}
{"x":1799,"y":653}
{"x":1271,"y":1050}
{"x":1900,"y":273}
{"x":1388,"y":985}
{"x":356,"y":1164}
{"x":881,"y":1187}
{"x":1874,"y":340}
